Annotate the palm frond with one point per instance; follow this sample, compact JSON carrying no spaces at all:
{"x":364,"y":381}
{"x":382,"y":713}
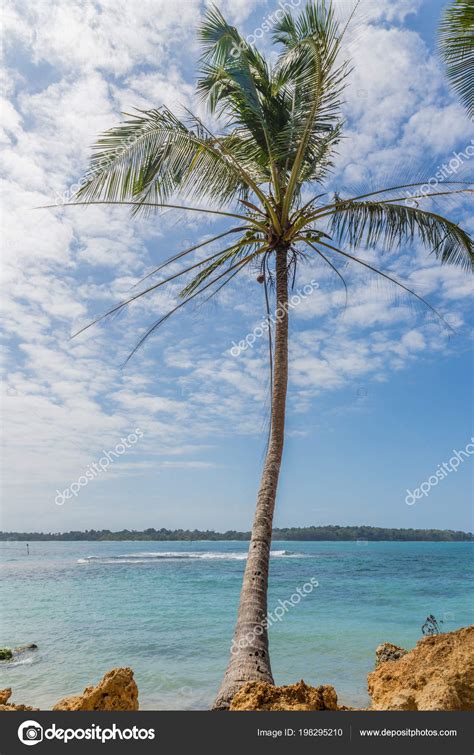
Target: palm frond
{"x":309,"y":71}
{"x":387,"y":225}
{"x":456,"y":45}
{"x":119,"y":307}
{"x":389,"y":278}
{"x":386,"y":190}
{"x":236,"y":82}
{"x":230,"y":255}
{"x":236,"y":268}
{"x":152,"y":155}
{"x":239,"y":147}
{"x":187,"y":251}
{"x":332,"y":266}
{"x":162,"y":205}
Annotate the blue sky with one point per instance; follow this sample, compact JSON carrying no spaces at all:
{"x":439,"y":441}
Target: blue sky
{"x":380,"y":394}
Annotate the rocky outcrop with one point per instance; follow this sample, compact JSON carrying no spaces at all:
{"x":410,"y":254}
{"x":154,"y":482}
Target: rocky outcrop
{"x":388,"y":652}
{"x":24,"y":648}
{"x":117,"y":690}
{"x":300,"y":696}
{"x":8,"y":654}
{"x":5,"y":695}
{"x":438,"y":674}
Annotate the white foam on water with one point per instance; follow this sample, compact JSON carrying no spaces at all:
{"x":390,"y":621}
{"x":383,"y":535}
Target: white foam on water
{"x":150,"y":556}
{"x":21,"y":662}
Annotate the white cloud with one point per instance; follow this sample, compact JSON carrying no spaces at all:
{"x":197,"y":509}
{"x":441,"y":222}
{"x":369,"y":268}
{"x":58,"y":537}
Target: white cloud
{"x":77,"y":35}
{"x":400,"y":116}
{"x":238,"y":10}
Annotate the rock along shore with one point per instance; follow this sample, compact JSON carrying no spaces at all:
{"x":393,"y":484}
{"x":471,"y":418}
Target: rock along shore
{"x":437,"y":674}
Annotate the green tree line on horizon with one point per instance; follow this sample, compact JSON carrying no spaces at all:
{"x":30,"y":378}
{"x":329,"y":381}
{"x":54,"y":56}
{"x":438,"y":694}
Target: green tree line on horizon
{"x":328,"y":532}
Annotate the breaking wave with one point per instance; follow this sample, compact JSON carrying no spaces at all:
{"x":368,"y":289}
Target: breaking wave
{"x":149,"y":557}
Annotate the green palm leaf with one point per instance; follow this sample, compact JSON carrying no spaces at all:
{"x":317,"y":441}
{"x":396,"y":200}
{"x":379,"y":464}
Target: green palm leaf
{"x":310,"y":73}
{"x":236,"y":82}
{"x":152,"y":155}
{"x":388,"y":226}
{"x":456,"y":44}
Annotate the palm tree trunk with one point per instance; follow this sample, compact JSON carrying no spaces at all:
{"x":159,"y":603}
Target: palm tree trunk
{"x":249,"y":658}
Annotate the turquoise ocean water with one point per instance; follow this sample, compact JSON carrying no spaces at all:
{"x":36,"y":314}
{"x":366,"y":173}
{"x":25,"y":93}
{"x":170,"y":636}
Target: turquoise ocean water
{"x":167,"y":609}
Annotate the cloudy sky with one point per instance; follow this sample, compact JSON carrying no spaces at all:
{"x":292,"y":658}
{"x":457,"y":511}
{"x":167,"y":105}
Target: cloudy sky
{"x":379,"y":391}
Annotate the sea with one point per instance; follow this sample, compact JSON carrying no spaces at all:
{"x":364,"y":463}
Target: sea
{"x":167,"y":610}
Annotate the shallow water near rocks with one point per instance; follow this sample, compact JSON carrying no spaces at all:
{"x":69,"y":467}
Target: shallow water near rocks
{"x":167,"y":609}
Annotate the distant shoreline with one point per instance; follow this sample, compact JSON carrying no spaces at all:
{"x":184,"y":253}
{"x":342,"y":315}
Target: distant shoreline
{"x":322,"y":533}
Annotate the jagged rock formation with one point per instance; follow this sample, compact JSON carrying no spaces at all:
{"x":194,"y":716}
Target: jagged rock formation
{"x":300,"y":696}
{"x":438,"y":674}
{"x":117,"y":690}
{"x":5,"y":695}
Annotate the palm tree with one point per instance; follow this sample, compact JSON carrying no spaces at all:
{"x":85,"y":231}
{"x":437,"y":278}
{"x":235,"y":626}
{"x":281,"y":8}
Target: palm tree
{"x":280,"y":125}
{"x":456,"y":44}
